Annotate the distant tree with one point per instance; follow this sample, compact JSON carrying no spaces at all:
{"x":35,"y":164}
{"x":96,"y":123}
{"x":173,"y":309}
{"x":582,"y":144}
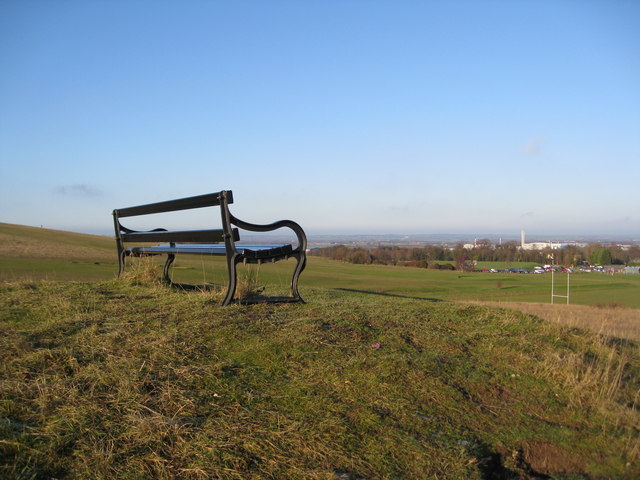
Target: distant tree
{"x":441,"y":266}
{"x":484,"y":250}
{"x":359,"y":256}
{"x":464,"y":263}
{"x":429,"y":255}
{"x":589,"y":251}
{"x":507,"y":252}
{"x":418,"y":254}
{"x":571,"y":255}
{"x":619,"y":256}
{"x":632,"y":255}
{"x":601,"y":256}
{"x":458,"y":251}
{"x":337,"y":252}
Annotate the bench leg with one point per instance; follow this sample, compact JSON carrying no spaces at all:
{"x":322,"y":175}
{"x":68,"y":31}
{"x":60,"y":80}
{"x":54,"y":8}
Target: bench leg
{"x":167,"y":265}
{"x":302,"y":263}
{"x":231,"y":288}
{"x":121,"y":255}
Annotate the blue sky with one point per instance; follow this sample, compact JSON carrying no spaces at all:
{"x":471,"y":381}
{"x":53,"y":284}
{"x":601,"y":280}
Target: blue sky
{"x":348,"y":116}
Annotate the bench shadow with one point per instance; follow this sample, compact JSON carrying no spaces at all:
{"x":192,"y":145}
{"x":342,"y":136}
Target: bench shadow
{"x":353,"y":290}
{"x":189,"y":287}
{"x":249,"y":300}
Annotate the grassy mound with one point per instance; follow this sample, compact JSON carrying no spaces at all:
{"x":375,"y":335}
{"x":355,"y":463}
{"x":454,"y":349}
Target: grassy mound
{"x":114,"y":380}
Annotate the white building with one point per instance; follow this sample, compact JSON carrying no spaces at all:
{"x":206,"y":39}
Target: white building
{"x":543,"y":245}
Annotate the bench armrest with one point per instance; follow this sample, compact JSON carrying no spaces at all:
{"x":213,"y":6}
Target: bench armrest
{"x":252,"y":227}
{"x":128,"y":230}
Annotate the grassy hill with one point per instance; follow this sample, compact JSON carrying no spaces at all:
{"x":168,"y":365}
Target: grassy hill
{"x":112,"y":380}
{"x":379,"y":376}
{"x":41,"y":253}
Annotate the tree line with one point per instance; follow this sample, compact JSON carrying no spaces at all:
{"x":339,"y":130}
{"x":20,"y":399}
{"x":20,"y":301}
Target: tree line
{"x":436,"y":256}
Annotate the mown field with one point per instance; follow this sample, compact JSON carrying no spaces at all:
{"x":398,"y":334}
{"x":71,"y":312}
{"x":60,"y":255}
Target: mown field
{"x":34,"y":254}
{"x":386,"y":373}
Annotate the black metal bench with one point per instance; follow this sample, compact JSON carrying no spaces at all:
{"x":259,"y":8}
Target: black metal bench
{"x":210,"y":242}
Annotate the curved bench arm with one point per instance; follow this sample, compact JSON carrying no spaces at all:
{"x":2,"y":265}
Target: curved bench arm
{"x":297,"y":229}
{"x":300,"y":253}
{"x":128,"y":230}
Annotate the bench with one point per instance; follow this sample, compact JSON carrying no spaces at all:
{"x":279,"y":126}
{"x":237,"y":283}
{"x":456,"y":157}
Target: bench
{"x":210,"y":242}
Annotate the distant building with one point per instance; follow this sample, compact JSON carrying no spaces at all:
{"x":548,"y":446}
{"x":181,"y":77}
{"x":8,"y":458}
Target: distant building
{"x":544,"y":245}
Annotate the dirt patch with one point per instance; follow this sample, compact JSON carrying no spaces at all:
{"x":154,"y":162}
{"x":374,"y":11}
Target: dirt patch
{"x":549,"y":459}
{"x":536,"y":460}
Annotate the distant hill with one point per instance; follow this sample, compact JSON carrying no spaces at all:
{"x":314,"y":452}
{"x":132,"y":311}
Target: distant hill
{"x":31,"y":253}
{"x":19,"y":241}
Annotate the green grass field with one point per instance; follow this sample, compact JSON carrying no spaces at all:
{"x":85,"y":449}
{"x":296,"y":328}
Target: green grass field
{"x":381,"y":375}
{"x":84,"y":257}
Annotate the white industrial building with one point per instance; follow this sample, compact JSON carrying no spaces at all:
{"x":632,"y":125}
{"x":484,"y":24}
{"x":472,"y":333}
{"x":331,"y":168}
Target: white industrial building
{"x":543,"y":245}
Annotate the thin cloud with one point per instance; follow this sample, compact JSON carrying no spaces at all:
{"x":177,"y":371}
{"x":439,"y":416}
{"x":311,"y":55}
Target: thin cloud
{"x":81,"y":190}
{"x":534,"y":146}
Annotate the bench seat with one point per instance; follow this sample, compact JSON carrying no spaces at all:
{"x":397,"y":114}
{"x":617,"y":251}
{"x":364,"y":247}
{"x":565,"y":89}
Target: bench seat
{"x":264,"y":252}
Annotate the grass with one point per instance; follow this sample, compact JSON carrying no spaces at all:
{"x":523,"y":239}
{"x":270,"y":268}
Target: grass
{"x":609,"y":320}
{"x":19,"y":241}
{"x":120,"y":379}
{"x":61,"y":257}
{"x":29,"y":253}
{"x":383,"y":373}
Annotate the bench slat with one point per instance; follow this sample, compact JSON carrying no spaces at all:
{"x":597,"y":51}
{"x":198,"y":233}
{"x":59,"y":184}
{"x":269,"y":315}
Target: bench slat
{"x":252,"y":251}
{"x":192,"y":236}
{"x":200,"y":201}
{"x":202,"y":249}
{"x":264,"y":251}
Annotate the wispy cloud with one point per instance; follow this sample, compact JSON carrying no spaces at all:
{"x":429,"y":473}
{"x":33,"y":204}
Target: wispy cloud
{"x":80,"y":190}
{"x":534,"y":146}
{"x":526,"y":215}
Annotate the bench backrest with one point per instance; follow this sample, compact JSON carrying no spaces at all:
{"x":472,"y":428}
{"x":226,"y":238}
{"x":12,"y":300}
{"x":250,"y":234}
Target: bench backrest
{"x":222,"y":199}
{"x":200,"y":201}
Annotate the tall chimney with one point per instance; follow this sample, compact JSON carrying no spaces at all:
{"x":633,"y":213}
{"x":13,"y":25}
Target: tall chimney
{"x":522,"y":238}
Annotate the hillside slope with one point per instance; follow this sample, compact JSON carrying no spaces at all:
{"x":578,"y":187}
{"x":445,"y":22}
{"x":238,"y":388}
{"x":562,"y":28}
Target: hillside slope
{"x":40,"y":253}
{"x":111,"y":380}
{"x":21,"y":241}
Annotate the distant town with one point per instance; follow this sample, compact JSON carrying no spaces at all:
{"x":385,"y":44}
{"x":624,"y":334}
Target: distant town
{"x":445,"y":253}
{"x":539,"y":241}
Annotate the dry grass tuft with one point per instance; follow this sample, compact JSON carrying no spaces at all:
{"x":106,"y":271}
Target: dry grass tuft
{"x":603,"y":375}
{"x":249,"y":283}
{"x":610,"y":320}
{"x":142,"y":271}
{"x":598,"y":369}
{"x":595,"y":370}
